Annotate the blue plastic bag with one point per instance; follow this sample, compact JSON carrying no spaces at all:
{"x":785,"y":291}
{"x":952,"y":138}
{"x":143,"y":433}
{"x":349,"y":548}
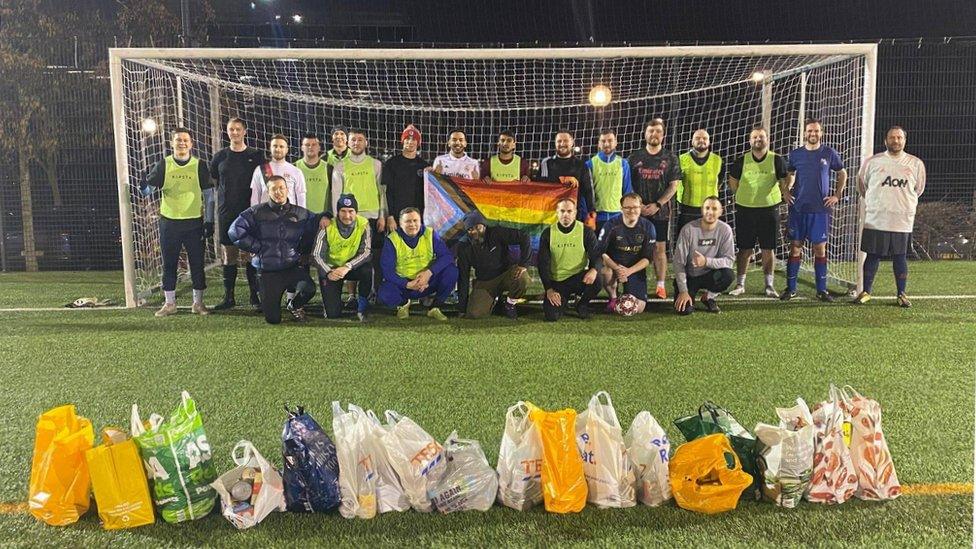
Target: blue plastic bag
{"x":311,"y":466}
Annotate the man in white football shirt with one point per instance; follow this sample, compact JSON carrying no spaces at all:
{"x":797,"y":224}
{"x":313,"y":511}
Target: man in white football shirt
{"x":457,"y":163}
{"x":278,"y":165}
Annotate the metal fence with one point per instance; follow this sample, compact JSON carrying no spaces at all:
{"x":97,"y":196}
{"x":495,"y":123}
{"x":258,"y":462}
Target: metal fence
{"x":926,"y":86}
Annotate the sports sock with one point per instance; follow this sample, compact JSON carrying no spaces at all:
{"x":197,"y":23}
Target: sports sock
{"x":252,"y":279}
{"x":770,"y":278}
{"x":710,"y":295}
{"x":230,"y":279}
{"x":660,"y":283}
{"x":511,"y":301}
{"x":900,"y":265}
{"x":170,"y":296}
{"x":197,"y":296}
{"x":792,"y":271}
{"x":740,"y":280}
{"x":820,"y":271}
{"x":289,"y":295}
{"x":870,"y":269}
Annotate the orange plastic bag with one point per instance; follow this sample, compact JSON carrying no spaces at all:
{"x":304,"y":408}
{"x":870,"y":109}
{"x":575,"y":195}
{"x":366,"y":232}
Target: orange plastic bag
{"x":119,"y":481}
{"x":59,"y":483}
{"x":706,"y":475}
{"x":563,"y":483}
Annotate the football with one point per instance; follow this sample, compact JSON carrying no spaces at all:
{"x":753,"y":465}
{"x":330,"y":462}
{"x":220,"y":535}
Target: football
{"x":626,"y":305}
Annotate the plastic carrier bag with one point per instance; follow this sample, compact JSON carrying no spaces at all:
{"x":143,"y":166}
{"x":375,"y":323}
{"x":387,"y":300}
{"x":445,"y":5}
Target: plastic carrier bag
{"x":59,"y":479}
{"x":417,"y":458}
{"x":468,"y":483}
{"x":650,"y":450}
{"x":389,"y":492}
{"x":357,"y":476}
{"x":563,"y":482}
{"x":177,"y":458}
{"x":711,"y":419}
{"x":786,"y":455}
{"x":606,"y":465}
{"x":520,"y":461}
{"x":706,"y":475}
{"x":876,"y":477}
{"x":250,"y":491}
{"x":119,"y":482}
{"x":311,"y":467}
{"x":834,"y":479}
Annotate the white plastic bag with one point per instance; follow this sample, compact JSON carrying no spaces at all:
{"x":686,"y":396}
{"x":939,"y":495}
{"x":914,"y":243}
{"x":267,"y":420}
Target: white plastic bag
{"x":357,"y":478}
{"x":609,"y":472}
{"x":520,"y":461}
{"x":416,"y":457}
{"x":261,"y":484}
{"x":650,"y":450}
{"x":834,"y":478}
{"x":786,"y":455}
{"x":876,"y":477}
{"x":389,"y":491}
{"x":468,"y":483}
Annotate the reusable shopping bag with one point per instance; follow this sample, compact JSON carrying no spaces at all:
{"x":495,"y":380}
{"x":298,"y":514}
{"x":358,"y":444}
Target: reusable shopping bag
{"x":59,"y":479}
{"x":606,"y":465}
{"x":311,"y":467}
{"x":834,"y":479}
{"x":177,"y":458}
{"x":357,"y":476}
{"x":711,"y":419}
{"x":520,"y":461}
{"x":786,"y":455}
{"x":250,"y":491}
{"x":649,"y":449}
{"x":119,"y":481}
{"x":563,"y":482}
{"x":468,"y":483}
{"x":417,"y":458}
{"x":876,"y":477}
{"x":706,"y":475}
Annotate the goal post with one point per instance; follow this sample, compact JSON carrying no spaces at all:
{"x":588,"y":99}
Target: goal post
{"x":531,"y":91}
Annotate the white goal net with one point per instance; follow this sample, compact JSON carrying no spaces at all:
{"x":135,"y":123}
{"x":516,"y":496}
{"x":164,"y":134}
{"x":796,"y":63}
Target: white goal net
{"x":534,"y":92}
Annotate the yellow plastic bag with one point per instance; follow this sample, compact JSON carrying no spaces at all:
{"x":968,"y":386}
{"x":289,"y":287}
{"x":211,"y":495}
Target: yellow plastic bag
{"x":706,"y":475}
{"x":563,"y":483}
{"x":119,"y":481}
{"x":59,"y":482}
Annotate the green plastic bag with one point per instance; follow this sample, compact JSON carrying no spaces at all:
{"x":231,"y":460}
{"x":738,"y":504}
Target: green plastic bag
{"x":178,"y":461}
{"x":712,"y":419}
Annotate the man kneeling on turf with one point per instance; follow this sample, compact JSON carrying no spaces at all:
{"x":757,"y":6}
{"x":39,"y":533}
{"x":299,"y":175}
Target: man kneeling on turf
{"x":416,"y":263}
{"x":703,"y":259}
{"x":278,"y":233}
{"x":486,"y":250}
{"x":342,"y":253}
{"x":627,"y":242}
{"x":569,"y":260}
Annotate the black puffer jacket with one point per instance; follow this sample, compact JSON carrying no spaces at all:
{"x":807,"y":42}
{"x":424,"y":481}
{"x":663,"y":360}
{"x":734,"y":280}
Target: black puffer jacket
{"x":277,"y":235}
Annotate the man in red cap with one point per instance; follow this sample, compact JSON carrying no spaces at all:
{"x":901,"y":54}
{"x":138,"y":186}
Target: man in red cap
{"x":403,"y":177}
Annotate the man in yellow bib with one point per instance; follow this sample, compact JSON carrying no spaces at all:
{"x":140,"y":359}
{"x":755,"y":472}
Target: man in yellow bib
{"x":569,"y":260}
{"x":701,"y":171}
{"x":506,"y":165}
{"x":185,"y":186}
{"x":416,"y":263}
{"x":316,"y":174}
{"x":342,"y":253}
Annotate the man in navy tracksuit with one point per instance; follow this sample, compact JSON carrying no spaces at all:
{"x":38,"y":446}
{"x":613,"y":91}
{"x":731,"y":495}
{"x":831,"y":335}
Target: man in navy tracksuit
{"x":278,"y":233}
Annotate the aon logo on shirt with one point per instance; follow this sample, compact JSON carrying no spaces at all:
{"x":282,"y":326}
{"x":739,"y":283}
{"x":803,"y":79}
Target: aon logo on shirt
{"x":892,"y":182}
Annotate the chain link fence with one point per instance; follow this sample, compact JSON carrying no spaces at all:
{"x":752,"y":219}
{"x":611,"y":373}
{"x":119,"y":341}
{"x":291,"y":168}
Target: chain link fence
{"x":926,"y":86}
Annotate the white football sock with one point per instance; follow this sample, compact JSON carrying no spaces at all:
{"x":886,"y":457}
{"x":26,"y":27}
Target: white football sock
{"x":710,"y":295}
{"x":170,"y":296}
{"x":289,"y":295}
{"x":198,"y":296}
{"x":769,"y":280}
{"x":741,"y":280}
{"x":660,"y":283}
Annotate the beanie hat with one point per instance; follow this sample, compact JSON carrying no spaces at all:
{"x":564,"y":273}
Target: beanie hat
{"x":410,"y":131}
{"x":347,"y":201}
{"x":473,"y":218}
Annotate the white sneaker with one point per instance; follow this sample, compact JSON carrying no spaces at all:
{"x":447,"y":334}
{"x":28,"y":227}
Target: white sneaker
{"x":771,"y":292}
{"x":738,"y":290}
{"x":199,"y":309}
{"x":166,"y":310}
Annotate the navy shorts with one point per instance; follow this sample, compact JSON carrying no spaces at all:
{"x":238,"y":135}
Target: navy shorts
{"x":814,"y":227}
{"x":636,"y":285}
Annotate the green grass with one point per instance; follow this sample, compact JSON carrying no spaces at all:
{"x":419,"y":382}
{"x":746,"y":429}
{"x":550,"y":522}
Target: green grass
{"x":462,"y":375}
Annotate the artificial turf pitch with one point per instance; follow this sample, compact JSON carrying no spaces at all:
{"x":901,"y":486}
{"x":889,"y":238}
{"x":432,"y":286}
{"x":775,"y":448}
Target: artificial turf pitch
{"x":919,"y":363}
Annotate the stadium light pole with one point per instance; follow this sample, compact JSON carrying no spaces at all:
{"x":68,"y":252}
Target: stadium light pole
{"x":185,"y":22}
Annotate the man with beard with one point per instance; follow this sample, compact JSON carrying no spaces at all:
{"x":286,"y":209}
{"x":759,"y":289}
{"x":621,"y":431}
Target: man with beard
{"x":811,"y":204}
{"x":890,"y":183}
{"x":565,"y":163}
{"x":506,"y":165}
{"x":339,"y":150}
{"x":756,"y":179}
{"x":655,"y":175}
{"x":611,"y":179}
{"x":316,"y":174}
{"x":627,"y":242}
{"x":456,"y":162}
{"x":403,"y":177}
{"x":569,"y":262}
{"x":342,"y":252}
{"x":703,"y":257}
{"x":701,"y":170}
{"x":233,"y":167}
{"x":294,"y":178}
{"x":486,"y":250}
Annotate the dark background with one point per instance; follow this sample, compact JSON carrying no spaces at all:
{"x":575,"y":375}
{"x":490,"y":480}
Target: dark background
{"x":927,"y":83}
